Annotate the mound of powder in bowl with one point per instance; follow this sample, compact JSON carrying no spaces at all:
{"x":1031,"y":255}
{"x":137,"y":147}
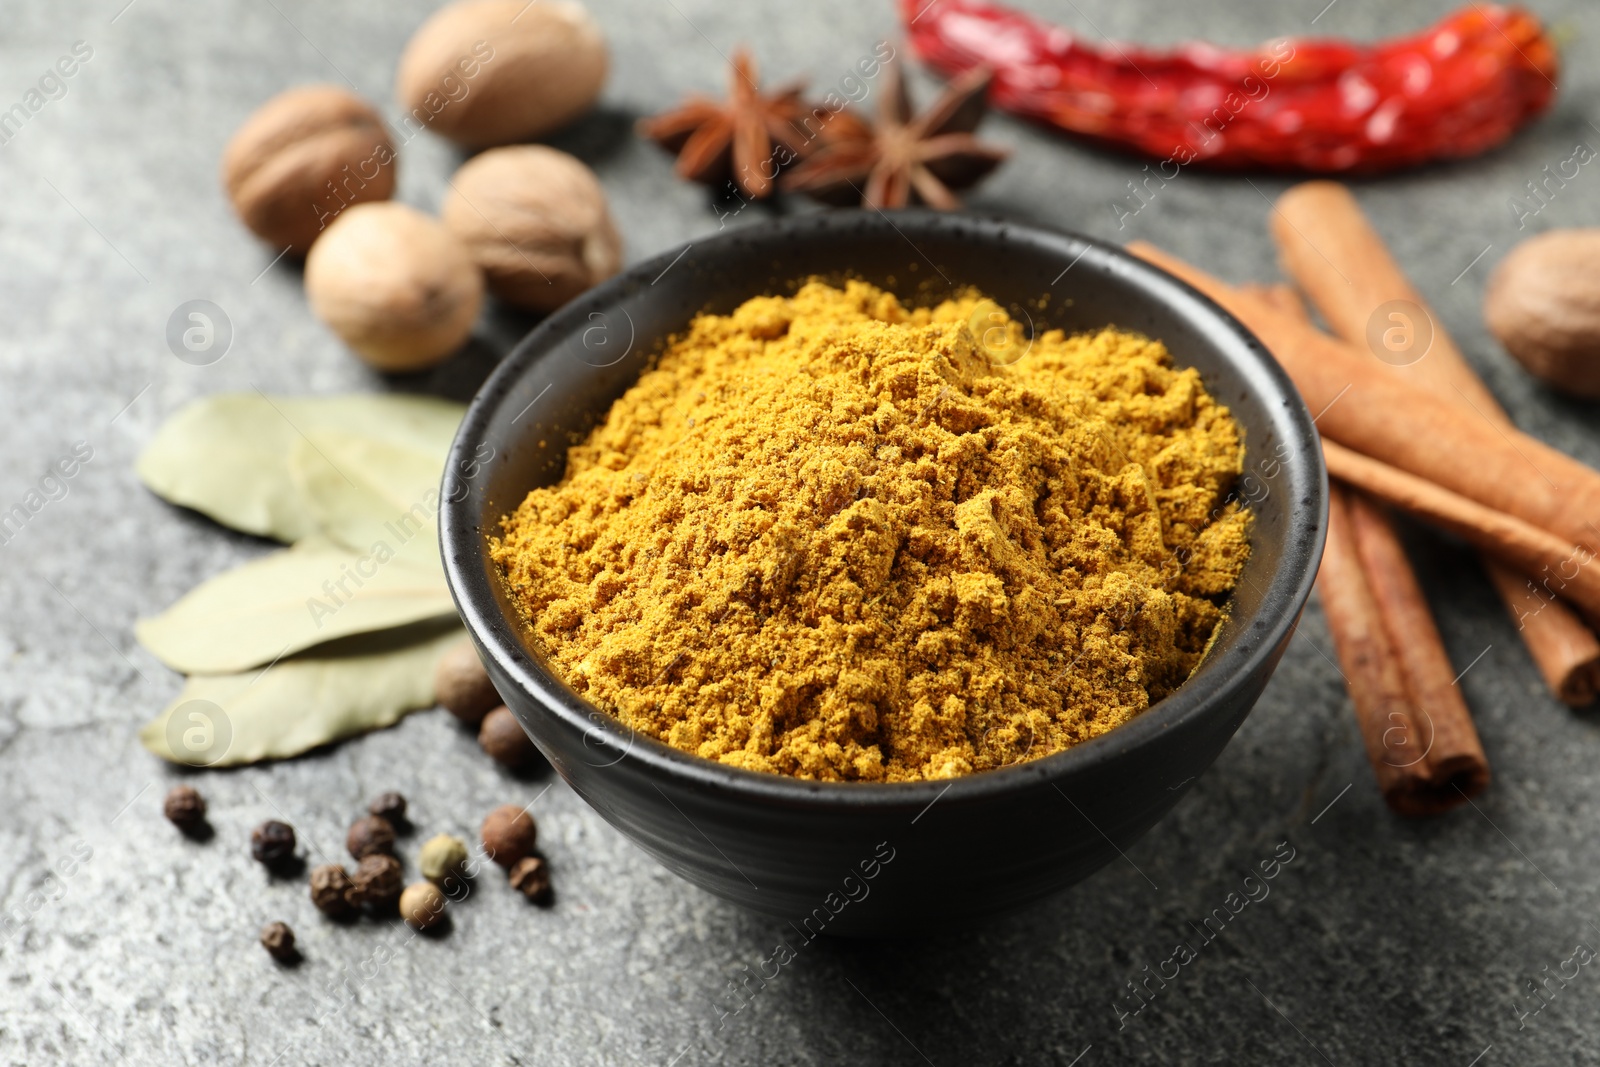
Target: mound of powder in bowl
{"x":834,"y":537}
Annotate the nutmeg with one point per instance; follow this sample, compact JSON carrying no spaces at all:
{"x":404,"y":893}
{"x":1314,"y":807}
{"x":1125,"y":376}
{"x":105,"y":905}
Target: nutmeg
{"x":536,"y":220}
{"x":490,"y":72}
{"x":302,"y":158}
{"x":395,"y":285}
{"x":1543,"y":303}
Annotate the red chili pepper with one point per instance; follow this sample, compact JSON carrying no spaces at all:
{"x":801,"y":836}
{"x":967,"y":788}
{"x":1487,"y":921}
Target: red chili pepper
{"x":1292,"y":104}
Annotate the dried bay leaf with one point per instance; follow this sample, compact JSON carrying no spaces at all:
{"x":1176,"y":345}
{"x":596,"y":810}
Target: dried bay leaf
{"x":336,"y":691}
{"x":293,"y":599}
{"x":361,"y":491}
{"x":228,"y":456}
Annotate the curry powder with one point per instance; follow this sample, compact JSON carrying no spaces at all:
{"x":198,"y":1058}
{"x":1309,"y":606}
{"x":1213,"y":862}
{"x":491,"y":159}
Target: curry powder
{"x":834,"y":537}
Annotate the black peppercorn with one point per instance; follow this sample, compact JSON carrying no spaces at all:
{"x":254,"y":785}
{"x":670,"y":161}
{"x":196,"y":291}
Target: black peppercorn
{"x":377,"y":882}
{"x":502,"y":736}
{"x":531,"y":878}
{"x":272,"y":843}
{"x":370,"y":836}
{"x":390,"y":807}
{"x":332,"y":891}
{"x":185,"y":808}
{"x":278,"y":940}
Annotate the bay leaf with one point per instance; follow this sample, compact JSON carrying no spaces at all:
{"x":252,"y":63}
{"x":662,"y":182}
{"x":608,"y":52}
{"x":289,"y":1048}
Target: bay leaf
{"x":227,"y":456}
{"x":294,"y":599}
{"x":362,"y":490}
{"x":338,"y":690}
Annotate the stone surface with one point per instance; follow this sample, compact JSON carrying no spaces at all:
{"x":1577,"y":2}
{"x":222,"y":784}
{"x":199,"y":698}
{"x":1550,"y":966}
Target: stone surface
{"x":1381,"y":942}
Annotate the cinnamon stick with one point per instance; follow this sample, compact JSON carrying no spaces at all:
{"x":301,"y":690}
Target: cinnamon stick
{"x":1328,"y":246}
{"x":1416,"y":728}
{"x":1452,"y":754}
{"x":1557,"y":567}
{"x":1285,"y":298}
{"x":1409,"y":428}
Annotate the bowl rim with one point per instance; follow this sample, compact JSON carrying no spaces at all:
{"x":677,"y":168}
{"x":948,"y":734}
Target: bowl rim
{"x":1288,"y":589}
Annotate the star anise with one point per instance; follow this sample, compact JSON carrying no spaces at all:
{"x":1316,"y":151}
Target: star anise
{"x":904,"y":160}
{"x":747,"y":140}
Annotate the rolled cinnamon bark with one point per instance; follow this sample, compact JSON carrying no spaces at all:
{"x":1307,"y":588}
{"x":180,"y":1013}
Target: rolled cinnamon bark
{"x":1362,"y":407}
{"x":1452,"y":755}
{"x":1553,"y":567}
{"x":1401,"y":734}
{"x":1328,"y":246}
{"x":1285,"y":298}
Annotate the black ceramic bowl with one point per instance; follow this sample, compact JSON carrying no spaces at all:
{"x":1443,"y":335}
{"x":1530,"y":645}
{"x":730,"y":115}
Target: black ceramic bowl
{"x":846,"y":858}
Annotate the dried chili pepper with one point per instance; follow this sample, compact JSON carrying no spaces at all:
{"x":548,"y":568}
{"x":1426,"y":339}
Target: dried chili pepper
{"x":1454,"y":90}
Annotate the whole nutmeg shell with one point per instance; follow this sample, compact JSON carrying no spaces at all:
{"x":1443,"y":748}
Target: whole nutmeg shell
{"x":509,"y":835}
{"x":302,"y":158}
{"x":395,"y":285}
{"x":536,"y":221}
{"x":370,"y":835}
{"x":462,"y":685}
{"x":504,"y":739}
{"x":422,"y":906}
{"x":490,"y":72}
{"x":1543,"y":303}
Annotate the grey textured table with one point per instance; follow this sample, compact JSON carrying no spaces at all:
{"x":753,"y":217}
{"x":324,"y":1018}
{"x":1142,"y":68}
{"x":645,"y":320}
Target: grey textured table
{"x":1381,"y":942}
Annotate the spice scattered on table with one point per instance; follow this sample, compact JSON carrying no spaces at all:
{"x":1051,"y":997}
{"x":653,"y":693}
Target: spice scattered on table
{"x":321,"y":473}
{"x":396,"y":285}
{"x":1454,"y":90}
{"x":370,"y":835}
{"x":506,"y":742}
{"x":278,"y":940}
{"x":906,"y":158}
{"x":422,"y":906}
{"x":834,"y":537}
{"x":302,"y":158}
{"x":536,"y":222}
{"x":1331,"y":250}
{"x":1543,"y":304}
{"x":185,"y":808}
{"x":746,"y":139}
{"x":391,"y":808}
{"x":509,"y":835}
{"x":377,"y":882}
{"x":462,"y":685}
{"x":333,"y":892}
{"x":1419,"y":735}
{"x":530,"y":876}
{"x":443,"y":857}
{"x":272,"y":844}
{"x":490,"y":72}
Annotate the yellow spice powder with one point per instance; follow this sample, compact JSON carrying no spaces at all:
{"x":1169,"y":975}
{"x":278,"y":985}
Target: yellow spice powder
{"x":834,"y":537}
